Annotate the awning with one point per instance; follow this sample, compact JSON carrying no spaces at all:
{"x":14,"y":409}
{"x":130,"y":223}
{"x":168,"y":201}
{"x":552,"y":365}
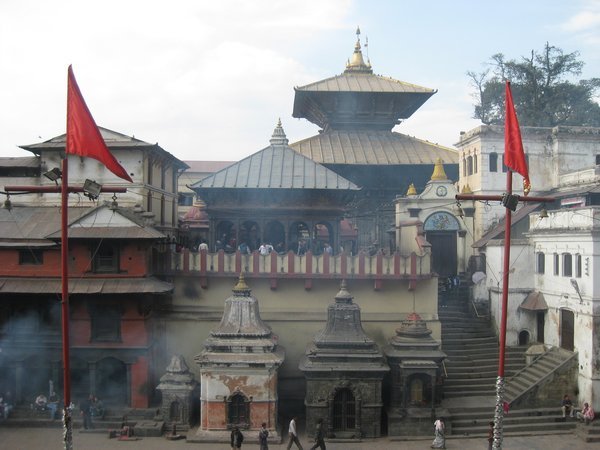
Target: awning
{"x":148,"y":285}
{"x":534,"y":302}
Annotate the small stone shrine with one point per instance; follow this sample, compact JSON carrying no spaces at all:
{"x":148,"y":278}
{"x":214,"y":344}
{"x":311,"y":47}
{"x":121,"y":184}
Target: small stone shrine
{"x":177,"y":387}
{"x":344,"y":370}
{"x":238,"y":372}
{"x":415,"y":359}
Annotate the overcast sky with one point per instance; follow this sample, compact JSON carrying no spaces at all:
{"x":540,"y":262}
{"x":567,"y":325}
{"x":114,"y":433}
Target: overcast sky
{"x":208,"y":80}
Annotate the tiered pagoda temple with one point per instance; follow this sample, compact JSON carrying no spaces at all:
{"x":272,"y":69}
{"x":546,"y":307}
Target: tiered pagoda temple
{"x":356,"y":112}
{"x":344,"y":370}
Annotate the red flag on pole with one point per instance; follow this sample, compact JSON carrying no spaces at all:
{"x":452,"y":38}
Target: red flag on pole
{"x":514,"y":155}
{"x":83,"y":135}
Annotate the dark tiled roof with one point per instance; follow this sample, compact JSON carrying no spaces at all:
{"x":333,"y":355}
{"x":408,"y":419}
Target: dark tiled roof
{"x":276,"y":167}
{"x":364,"y":82}
{"x":372,"y":148}
{"x":148,"y":285}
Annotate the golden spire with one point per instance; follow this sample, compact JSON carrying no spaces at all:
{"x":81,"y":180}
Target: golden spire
{"x":411,"y":190}
{"x":466,"y":189}
{"x":439,"y":174}
{"x":241,"y":286}
{"x":356,"y":62}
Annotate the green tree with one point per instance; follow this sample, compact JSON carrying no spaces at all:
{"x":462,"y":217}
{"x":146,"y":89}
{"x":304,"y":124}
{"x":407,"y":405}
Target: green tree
{"x":545,"y":89}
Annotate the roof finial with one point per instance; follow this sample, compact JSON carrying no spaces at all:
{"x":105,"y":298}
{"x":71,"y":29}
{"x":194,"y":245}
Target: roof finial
{"x":438,"y":171}
{"x":411,"y":190}
{"x":357,"y":63}
{"x":279,"y":137}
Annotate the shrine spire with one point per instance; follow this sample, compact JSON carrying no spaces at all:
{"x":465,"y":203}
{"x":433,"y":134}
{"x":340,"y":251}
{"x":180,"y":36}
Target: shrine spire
{"x":356,"y":63}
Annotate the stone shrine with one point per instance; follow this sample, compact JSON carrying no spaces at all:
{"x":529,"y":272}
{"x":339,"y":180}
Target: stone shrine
{"x":344,"y":370}
{"x":177,"y":387}
{"x":238,"y":370}
{"x":415,"y":360}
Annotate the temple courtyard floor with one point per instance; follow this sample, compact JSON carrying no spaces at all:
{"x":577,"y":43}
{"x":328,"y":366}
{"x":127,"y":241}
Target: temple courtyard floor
{"x":51,"y":439}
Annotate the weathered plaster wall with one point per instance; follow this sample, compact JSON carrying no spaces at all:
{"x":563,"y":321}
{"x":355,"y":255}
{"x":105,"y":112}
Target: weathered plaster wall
{"x":294,"y":314}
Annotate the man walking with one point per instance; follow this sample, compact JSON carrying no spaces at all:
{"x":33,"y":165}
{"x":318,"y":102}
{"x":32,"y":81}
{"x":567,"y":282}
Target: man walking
{"x":263,"y":437}
{"x":319,"y":436}
{"x":293,"y":435}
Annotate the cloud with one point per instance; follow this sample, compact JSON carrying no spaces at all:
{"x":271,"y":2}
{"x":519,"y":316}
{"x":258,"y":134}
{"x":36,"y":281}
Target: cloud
{"x":585,"y":23}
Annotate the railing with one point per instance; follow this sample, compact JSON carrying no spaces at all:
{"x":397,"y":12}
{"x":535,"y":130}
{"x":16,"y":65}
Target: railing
{"x":308,"y":266}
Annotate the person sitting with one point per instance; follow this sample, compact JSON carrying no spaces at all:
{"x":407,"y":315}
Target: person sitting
{"x":97,"y":408}
{"x":567,"y":406}
{"x":586,"y":414}
{"x":41,"y":402}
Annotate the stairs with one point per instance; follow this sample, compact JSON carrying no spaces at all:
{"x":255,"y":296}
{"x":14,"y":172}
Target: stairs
{"x":473,"y":422}
{"x":588,"y":433}
{"x":472,"y":348}
{"x":523,"y":384}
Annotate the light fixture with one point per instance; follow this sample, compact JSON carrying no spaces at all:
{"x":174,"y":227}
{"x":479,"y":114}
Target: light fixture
{"x":510,"y":201}
{"x":576,"y":287}
{"x":91,"y":189}
{"x":53,"y":175}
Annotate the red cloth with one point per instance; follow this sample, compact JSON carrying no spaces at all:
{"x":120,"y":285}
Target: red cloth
{"x":514,"y":155}
{"x":83,"y":136}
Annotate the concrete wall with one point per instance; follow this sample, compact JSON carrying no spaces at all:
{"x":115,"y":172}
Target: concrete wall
{"x":294,"y":314}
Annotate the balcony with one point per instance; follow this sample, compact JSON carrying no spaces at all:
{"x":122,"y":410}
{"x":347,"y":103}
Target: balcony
{"x":379,"y":267}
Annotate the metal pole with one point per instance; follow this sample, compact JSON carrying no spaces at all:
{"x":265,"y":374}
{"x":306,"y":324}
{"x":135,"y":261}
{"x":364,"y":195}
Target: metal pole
{"x":68,"y":408}
{"x":500,"y":385}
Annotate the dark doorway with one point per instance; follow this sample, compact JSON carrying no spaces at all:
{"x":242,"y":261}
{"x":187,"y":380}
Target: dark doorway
{"x":540,"y":316}
{"x":344,"y":411}
{"x":524,"y":337}
{"x":238,"y":410}
{"x":567,"y":329}
{"x":111,"y":381}
{"x":443,"y":252}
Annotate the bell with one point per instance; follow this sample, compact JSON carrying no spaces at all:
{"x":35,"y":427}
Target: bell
{"x":8,"y":204}
{"x":544,"y":213}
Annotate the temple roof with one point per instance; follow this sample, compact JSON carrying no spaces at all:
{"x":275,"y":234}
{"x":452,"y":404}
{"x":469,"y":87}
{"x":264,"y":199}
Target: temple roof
{"x":372,"y":147}
{"x":343,"y":345}
{"x":242,"y":337}
{"x":357,"y":98}
{"x":276,"y":167}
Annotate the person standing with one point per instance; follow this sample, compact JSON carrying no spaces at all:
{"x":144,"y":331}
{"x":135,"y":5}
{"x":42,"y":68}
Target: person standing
{"x":263,"y":436}
{"x":490,"y":437}
{"x":236,"y":438}
{"x":86,"y":411}
{"x":440,"y":437}
{"x":319,"y":436}
{"x":293,"y":435}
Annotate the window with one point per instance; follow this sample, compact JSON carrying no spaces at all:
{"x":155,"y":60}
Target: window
{"x":31,"y":257}
{"x":597,"y":159}
{"x":105,"y":258}
{"x":470,"y":165}
{"x":493,"y":162}
{"x":238,"y":411}
{"x":578,"y":266}
{"x":464,"y":167}
{"x":106,"y":323}
{"x":474,"y":163}
{"x":556,"y":265}
{"x":541,"y":263}
{"x":567,"y":264}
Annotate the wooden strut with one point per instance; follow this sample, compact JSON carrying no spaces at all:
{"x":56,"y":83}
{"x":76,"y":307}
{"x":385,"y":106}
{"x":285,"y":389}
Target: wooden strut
{"x":499,"y":410}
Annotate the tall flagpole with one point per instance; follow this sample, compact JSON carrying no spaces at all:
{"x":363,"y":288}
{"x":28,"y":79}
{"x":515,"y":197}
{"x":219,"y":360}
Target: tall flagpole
{"x":67,"y":407}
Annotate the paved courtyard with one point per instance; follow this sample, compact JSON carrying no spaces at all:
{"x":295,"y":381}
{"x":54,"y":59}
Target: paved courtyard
{"x":51,"y":439}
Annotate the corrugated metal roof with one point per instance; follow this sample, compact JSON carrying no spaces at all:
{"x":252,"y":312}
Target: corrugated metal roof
{"x":535,"y":301}
{"x":111,"y":233}
{"x":372,"y":147}
{"x":364,"y":82}
{"x":23,"y":161}
{"x":207,"y":166}
{"x":276,"y":167}
{"x":148,"y":285}
{"x":113,"y":140}
{"x":495,"y":232}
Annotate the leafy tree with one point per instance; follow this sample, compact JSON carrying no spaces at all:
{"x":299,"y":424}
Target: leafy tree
{"x":543,"y":92}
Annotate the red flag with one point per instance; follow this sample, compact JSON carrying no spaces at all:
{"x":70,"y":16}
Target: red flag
{"x":514,"y":156}
{"x":83,"y":135}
